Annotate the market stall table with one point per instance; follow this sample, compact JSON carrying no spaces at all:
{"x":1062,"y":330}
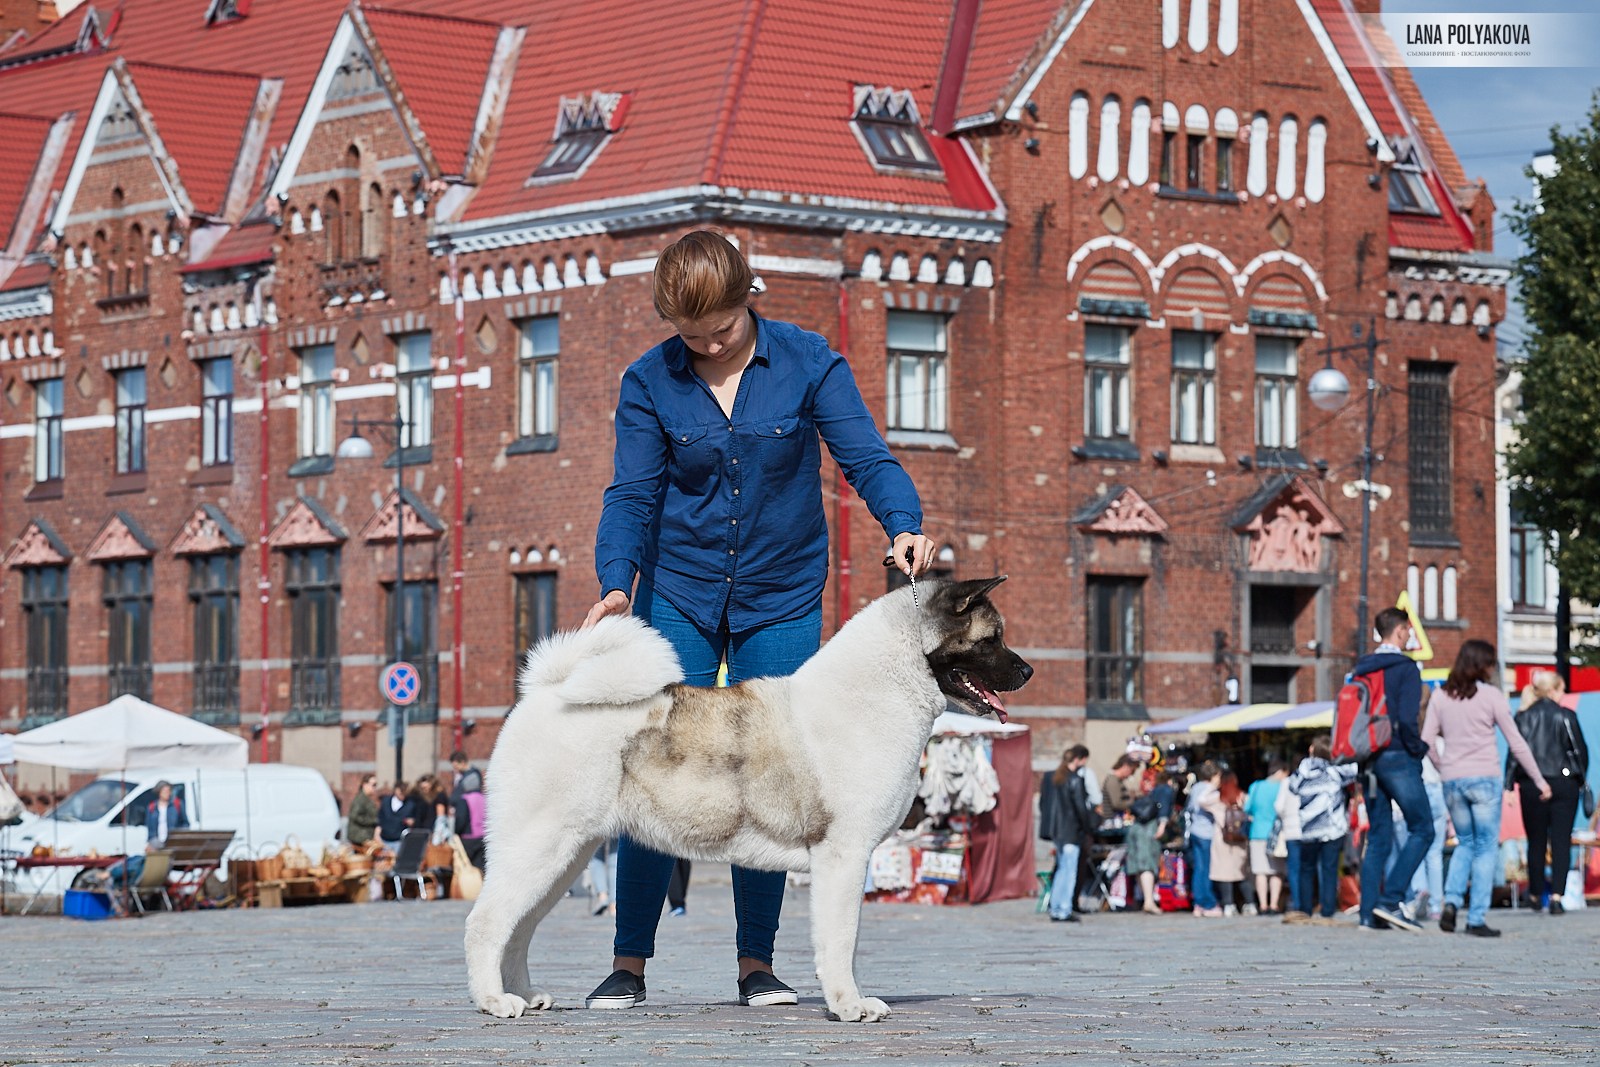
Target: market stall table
{"x":55,"y":865}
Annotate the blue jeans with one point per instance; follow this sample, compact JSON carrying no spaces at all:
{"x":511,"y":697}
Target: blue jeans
{"x":643,"y":873}
{"x":1430,"y":874}
{"x":1395,"y":776}
{"x":1200,"y":891}
{"x":1475,"y":809}
{"x":1319,"y":870}
{"x":1065,"y":881}
{"x":1291,"y":875}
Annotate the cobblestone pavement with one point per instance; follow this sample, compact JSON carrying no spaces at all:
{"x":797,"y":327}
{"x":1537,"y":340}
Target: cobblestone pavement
{"x":993,"y":985}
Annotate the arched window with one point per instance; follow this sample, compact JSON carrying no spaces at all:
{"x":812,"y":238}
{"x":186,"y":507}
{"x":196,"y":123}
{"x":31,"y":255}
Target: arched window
{"x":138,"y":267}
{"x":1110,"y":119}
{"x":1169,"y":23}
{"x":1078,"y":135}
{"x":1430,"y":593}
{"x":1449,"y":598}
{"x":1288,"y":134}
{"x":1316,"y":160}
{"x":1199,"y":25}
{"x":1414,"y":584}
{"x":1227,"y":26}
{"x":1256,"y":176}
{"x":1139,"y":143}
{"x":372,"y":222}
{"x":332,"y":228}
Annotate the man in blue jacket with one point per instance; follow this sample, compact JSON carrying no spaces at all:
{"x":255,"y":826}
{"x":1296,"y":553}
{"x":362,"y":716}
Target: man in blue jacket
{"x":1395,"y":774}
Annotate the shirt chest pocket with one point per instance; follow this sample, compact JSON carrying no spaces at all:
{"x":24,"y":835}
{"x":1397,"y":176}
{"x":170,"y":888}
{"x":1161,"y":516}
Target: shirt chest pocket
{"x":778,"y":444}
{"x":695,"y":450}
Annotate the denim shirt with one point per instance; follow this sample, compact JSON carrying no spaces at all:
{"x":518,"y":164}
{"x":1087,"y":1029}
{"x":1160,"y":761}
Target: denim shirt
{"x":724,"y":516}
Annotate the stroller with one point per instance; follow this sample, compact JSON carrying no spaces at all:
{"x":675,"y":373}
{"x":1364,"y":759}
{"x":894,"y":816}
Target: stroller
{"x":1108,"y":888}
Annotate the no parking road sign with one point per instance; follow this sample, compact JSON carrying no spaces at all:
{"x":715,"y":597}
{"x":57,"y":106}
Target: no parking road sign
{"x":400,"y":683}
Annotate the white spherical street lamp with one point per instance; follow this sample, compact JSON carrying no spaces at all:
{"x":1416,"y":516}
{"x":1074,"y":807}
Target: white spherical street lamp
{"x":1329,"y":389}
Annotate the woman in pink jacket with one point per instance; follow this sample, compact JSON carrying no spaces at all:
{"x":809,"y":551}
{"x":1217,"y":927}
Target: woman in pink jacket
{"x":1464,"y":712}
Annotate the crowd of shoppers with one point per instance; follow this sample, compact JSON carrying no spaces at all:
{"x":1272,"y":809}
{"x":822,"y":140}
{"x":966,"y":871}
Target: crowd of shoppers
{"x":1319,"y":837}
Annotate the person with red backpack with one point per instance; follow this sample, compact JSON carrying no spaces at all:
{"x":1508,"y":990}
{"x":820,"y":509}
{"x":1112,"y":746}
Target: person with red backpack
{"x":1393,"y":775}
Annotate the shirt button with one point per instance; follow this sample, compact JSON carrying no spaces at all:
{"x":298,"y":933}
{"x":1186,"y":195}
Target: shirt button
{"x":736,"y":492}
{"x":735,"y":461}
{"x":734,"y":521}
{"x":729,"y":580}
{"x":730,"y":551}
{"x":777,"y":429}
{"x":685,"y":437}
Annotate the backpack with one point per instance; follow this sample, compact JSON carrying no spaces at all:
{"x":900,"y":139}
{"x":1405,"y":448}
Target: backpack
{"x":1144,"y":809}
{"x":1361,"y":726}
{"x":1235,"y":825}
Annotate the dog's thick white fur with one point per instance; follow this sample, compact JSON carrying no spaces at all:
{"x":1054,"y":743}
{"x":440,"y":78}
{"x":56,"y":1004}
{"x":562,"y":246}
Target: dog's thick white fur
{"x":805,"y":773}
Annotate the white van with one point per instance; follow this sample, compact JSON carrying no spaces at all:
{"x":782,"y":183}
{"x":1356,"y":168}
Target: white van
{"x":110,"y":811}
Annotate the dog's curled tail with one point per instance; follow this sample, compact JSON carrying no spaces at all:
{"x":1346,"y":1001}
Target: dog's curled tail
{"x":618,"y":660}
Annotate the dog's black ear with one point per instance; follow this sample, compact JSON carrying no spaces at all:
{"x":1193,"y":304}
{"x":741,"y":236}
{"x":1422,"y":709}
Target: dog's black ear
{"x":964,"y":594}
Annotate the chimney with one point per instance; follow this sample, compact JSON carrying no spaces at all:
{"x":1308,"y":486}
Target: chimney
{"x":953,"y":71}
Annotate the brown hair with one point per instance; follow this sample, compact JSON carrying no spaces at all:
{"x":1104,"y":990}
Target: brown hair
{"x":1229,"y":789}
{"x":1124,"y":761}
{"x":1474,"y":664}
{"x":1075,"y":752}
{"x":1388,"y":619}
{"x":1321,"y":746}
{"x":700,"y":274}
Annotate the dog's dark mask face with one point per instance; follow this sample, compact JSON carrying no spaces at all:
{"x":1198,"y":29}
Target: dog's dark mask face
{"x":971,"y":662}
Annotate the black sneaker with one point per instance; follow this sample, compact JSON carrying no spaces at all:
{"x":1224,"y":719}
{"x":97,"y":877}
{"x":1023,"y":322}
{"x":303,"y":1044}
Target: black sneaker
{"x":623,"y":989}
{"x":1447,"y":918}
{"x":759,"y":989}
{"x":1483,"y":931}
{"x":1556,"y":907}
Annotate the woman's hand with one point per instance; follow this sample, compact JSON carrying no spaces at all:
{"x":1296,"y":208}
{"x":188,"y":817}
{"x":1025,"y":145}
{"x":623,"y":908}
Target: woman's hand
{"x":614,"y":603}
{"x":922,"y":550}
{"x":1546,"y":793}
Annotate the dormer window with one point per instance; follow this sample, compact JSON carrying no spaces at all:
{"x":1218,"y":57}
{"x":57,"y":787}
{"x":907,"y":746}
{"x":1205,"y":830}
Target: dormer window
{"x":887,"y":123}
{"x":222,"y":11}
{"x":1408,"y":187}
{"x":583,"y":125}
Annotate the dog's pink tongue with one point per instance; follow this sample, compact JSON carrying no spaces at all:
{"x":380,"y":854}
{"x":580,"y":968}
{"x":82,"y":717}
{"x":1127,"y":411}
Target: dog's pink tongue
{"x":994,"y":699}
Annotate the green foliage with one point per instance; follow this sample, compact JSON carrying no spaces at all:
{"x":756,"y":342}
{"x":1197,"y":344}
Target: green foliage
{"x":1556,"y":461}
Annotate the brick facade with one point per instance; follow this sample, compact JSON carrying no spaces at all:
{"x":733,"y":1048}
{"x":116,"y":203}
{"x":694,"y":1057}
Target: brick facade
{"x":354,"y":254}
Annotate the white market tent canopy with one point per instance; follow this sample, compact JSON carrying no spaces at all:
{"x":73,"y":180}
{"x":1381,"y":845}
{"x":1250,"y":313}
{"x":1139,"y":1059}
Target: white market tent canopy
{"x":129,"y":732}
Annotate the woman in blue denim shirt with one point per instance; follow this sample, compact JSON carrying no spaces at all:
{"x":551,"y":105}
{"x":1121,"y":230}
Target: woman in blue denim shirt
{"x":716,"y":509}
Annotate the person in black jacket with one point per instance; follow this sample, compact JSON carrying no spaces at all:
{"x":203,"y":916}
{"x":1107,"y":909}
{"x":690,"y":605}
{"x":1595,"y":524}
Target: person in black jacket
{"x":1562,"y":753}
{"x":396,"y":815}
{"x":1065,"y":819}
{"x":1394,"y":774}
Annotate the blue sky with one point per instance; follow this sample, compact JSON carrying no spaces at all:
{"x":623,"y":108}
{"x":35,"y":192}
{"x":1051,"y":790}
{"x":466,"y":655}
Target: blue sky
{"x":1498,"y":119}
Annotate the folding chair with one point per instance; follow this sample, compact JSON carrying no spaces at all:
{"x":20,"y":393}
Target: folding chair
{"x":1104,"y":872}
{"x":408,"y":863}
{"x":153,"y":879}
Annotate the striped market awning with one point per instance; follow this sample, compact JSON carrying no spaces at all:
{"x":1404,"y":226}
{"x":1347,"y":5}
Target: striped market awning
{"x":1233,"y":718}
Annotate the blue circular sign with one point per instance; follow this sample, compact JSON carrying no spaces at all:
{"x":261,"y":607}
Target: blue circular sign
{"x":400,"y":684}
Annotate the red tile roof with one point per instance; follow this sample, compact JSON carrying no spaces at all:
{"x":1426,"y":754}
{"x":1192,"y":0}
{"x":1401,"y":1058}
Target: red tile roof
{"x":201,"y":118}
{"x":441,"y":64}
{"x":24,"y":138}
{"x":239,"y":246}
{"x":27,"y":276}
{"x":1011,"y":36}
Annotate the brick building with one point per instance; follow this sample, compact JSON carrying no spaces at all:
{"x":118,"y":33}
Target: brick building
{"x":1082,"y":256}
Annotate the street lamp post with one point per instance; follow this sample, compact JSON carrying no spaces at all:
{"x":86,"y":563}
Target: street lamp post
{"x":357,"y":447}
{"x":1329,"y":390}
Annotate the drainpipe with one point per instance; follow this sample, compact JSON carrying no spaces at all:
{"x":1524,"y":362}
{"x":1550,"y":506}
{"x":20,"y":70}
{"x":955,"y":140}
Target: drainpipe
{"x":263,"y":580}
{"x":843,"y":610}
{"x":457,"y":525}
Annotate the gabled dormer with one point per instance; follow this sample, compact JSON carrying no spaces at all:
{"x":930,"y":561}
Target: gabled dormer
{"x":890,"y":130}
{"x":584,"y":125}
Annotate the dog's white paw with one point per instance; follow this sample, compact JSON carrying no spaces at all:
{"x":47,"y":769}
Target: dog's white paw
{"x":860,"y":1010}
{"x":538,"y":1000}
{"x":511,"y":1006}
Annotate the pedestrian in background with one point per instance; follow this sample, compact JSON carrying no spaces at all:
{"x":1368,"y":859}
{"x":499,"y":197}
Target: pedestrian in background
{"x":1464,"y":713}
{"x":395,"y":816}
{"x":1394,"y":774}
{"x":1261,"y":805}
{"x":1230,"y":846}
{"x":1070,"y":821}
{"x":1561,"y":755}
{"x":363,"y":821}
{"x":1319,"y":788}
{"x":1286,"y":808}
{"x":1150,"y":813}
{"x":1202,"y":829}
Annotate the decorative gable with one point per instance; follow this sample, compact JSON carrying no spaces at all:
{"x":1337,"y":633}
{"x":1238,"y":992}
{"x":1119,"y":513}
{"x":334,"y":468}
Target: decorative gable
{"x":1121,"y":511}
{"x":207,"y":532}
{"x":307,"y":525}
{"x":120,"y":538}
{"x":1286,"y":522}
{"x":421,"y":524}
{"x":39,"y":546}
